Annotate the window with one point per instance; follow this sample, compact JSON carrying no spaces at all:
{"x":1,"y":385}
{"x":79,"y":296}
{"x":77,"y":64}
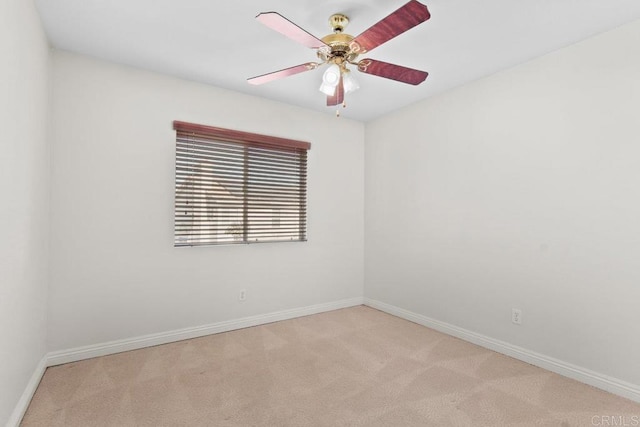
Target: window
{"x":237,"y":187}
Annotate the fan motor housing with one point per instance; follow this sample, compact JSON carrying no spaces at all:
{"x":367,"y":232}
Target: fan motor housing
{"x":339,"y":43}
{"x":340,"y":47}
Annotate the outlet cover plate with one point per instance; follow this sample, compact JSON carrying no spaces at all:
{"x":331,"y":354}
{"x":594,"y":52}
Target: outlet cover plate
{"x":516,"y":316}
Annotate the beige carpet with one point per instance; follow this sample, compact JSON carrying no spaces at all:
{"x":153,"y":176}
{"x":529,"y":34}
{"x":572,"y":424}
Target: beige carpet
{"x":351,"y":367}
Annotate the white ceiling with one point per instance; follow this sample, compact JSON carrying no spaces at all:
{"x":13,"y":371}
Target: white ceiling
{"x":220,"y":43}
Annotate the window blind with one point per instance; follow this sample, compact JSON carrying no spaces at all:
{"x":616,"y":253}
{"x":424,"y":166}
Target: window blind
{"x":236,"y":187}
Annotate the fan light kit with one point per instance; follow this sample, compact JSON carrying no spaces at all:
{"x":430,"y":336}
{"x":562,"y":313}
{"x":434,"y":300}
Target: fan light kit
{"x":339,"y":49}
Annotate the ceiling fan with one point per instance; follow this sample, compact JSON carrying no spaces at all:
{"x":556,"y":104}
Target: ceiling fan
{"x":339,"y":49}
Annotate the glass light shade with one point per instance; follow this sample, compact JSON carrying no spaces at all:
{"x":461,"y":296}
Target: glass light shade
{"x":327,"y":89}
{"x":330,"y":80}
{"x":332,"y":75}
{"x":349,"y":82}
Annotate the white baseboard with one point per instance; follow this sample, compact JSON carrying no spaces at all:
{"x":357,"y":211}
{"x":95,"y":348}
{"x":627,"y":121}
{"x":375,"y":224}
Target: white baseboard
{"x":27,"y":395}
{"x":604,"y":382}
{"x":112,"y":347}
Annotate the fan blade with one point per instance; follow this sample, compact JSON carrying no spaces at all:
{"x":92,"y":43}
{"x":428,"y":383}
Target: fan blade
{"x":265,"y":78}
{"x":338,"y":96}
{"x":392,"y":71}
{"x":279,"y":23}
{"x":403,"y":19}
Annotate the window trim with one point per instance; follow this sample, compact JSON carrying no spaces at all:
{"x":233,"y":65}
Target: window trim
{"x":239,"y":136}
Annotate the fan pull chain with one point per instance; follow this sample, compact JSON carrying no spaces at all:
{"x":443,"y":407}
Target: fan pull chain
{"x":344,"y":105}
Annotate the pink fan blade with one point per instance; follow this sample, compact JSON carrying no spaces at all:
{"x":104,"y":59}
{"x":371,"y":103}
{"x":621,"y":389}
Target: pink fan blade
{"x":338,"y":96}
{"x":265,"y":78}
{"x":279,"y":23}
{"x":403,"y":19}
{"x":392,"y":71}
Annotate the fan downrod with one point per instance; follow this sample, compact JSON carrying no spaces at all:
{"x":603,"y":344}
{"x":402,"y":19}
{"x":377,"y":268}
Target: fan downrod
{"x":338,"y":22}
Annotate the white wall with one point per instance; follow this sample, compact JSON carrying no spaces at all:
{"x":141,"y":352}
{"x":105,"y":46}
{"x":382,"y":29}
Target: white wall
{"x":519,"y":190}
{"x":24,"y":210}
{"x":115,"y":272}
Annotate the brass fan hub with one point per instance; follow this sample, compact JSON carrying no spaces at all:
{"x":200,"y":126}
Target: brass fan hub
{"x":337,"y":39}
{"x":338,"y":42}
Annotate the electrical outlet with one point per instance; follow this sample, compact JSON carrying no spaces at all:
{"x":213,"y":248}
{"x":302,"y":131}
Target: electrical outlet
{"x":243,"y":295}
{"x":516,"y":316}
